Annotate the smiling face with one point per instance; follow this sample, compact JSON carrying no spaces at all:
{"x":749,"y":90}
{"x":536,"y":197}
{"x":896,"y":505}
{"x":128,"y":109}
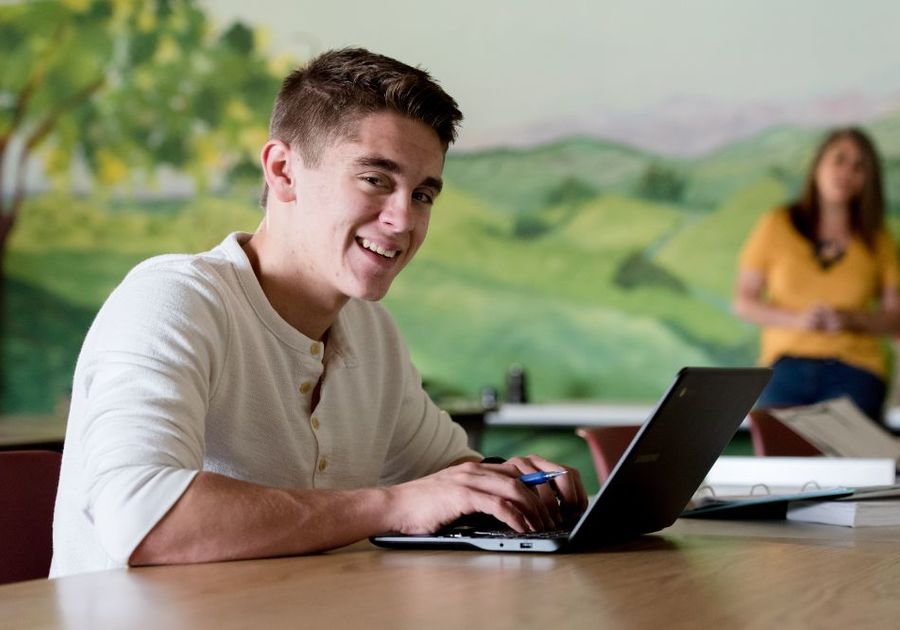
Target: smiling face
{"x":361,"y":213}
{"x":840,"y":174}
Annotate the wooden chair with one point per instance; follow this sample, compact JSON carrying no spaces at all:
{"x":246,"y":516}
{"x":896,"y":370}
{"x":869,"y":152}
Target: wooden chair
{"x":607,"y":444}
{"x":28,"y":481}
{"x":774,"y":438}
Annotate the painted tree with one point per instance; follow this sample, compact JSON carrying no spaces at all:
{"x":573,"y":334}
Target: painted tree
{"x":120,"y":88}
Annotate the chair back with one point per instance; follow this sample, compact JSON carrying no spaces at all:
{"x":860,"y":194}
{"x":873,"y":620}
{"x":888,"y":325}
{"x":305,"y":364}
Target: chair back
{"x":28,"y":481}
{"x":607,"y":445}
{"x":774,"y":438}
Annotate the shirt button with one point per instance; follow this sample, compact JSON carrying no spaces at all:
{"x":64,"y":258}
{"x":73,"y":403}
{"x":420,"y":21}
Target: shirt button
{"x":315,"y":349}
{"x":305,"y":387}
{"x":315,"y":425}
{"x":323,"y":464}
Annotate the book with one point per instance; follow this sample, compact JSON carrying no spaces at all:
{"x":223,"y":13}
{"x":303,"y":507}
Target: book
{"x":866,"y":507}
{"x":861,"y":513}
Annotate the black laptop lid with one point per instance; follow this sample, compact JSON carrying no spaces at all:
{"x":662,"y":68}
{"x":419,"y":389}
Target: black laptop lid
{"x":672,"y":453}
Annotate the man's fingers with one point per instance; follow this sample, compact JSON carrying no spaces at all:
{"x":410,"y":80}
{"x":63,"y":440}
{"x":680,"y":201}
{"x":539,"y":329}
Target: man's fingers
{"x":581,"y":499}
{"x":535,"y":507}
{"x":548,"y":499}
{"x":505,"y":485}
{"x":568,"y":487}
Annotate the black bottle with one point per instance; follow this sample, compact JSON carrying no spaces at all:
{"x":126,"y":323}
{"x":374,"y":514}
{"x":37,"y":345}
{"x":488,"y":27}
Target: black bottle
{"x":516,"y":386}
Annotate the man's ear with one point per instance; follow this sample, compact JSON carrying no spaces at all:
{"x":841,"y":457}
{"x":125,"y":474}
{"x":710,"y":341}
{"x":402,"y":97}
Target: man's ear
{"x":276,"y":163}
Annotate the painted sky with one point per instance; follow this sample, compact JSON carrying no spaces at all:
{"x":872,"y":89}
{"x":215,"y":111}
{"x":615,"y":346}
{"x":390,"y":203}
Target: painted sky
{"x":684,"y":75}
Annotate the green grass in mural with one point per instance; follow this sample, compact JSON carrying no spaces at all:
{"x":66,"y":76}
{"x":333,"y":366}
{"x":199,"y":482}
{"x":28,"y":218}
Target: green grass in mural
{"x":467,"y":334}
{"x":41,"y":341}
{"x":65,"y":257}
{"x":582,"y":262}
{"x":556,"y":304}
{"x":705,"y":254}
{"x":56,"y":221}
{"x":524,"y":180}
{"x":82,"y":278}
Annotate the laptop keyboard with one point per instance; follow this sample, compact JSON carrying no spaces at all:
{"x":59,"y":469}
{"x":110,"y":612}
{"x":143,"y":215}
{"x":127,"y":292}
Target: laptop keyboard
{"x":464,"y":531}
{"x":485,"y":526}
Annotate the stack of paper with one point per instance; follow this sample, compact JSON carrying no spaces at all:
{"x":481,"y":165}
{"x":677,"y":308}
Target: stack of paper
{"x":847,"y":513}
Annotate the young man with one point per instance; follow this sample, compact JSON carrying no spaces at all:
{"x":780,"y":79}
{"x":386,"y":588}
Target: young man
{"x":255,"y":400}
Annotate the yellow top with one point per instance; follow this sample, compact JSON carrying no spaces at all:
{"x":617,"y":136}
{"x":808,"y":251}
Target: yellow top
{"x":796,"y":281}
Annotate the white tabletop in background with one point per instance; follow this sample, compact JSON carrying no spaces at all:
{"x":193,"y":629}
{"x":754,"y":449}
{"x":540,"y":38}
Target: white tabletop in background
{"x":597,"y":414}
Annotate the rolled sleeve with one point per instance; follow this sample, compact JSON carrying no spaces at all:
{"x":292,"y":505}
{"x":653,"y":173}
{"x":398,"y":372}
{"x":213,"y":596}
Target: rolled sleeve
{"x":140,"y":413}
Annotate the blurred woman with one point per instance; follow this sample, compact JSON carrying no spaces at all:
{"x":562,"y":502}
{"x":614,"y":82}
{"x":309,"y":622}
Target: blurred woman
{"x":820,"y":276}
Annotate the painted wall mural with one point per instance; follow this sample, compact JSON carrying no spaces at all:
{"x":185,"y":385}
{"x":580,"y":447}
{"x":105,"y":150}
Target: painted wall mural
{"x":613,"y":158}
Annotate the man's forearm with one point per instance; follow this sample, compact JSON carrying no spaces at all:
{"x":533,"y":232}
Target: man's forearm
{"x":220,"y":518}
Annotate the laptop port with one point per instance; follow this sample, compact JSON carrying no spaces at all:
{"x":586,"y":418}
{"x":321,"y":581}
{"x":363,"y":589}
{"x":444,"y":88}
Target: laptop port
{"x":526,"y":545}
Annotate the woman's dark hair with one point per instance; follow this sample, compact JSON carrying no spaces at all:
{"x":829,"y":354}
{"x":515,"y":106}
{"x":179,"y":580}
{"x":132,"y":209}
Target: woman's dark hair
{"x":866,"y":209}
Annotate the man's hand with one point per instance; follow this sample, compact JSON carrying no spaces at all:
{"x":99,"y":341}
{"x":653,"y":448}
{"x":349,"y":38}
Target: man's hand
{"x":564,"y":496}
{"x":423,"y":506}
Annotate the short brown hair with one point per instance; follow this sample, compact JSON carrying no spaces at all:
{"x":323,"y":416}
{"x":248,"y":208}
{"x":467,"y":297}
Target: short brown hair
{"x":320,"y":101}
{"x":866,"y":210}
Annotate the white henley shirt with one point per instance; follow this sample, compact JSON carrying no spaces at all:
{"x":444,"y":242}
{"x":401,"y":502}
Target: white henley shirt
{"x":187,"y":367}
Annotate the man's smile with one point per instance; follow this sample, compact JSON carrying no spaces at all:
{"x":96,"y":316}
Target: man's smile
{"x":372,"y":246}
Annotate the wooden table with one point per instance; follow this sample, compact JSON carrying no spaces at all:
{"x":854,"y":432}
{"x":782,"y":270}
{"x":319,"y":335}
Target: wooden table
{"x":17,"y":432}
{"x":702,"y":574}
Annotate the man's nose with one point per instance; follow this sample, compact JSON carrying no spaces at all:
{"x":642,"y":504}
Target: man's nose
{"x":397,"y":212}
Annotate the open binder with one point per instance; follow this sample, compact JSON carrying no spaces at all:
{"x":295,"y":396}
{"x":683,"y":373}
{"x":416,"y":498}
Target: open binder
{"x":758,"y":507}
{"x":764,"y":487}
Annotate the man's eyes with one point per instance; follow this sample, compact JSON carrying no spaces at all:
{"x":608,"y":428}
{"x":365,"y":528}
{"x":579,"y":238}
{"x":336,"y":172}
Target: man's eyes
{"x":379,"y":181}
{"x":423,"y":196}
{"x":375,"y":180}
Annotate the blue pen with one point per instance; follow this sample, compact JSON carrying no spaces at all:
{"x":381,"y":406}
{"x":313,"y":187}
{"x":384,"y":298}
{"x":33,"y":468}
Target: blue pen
{"x":537,"y":478}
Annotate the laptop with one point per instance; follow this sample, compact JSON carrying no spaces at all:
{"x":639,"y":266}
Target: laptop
{"x":654,"y":479}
